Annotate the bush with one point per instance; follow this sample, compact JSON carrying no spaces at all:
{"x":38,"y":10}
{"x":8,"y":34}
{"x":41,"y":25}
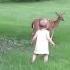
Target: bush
{"x":18,"y":0}
{"x":4,"y":0}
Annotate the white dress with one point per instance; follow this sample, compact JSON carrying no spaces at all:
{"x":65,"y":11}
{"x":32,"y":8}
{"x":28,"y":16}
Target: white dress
{"x":41,"y":46}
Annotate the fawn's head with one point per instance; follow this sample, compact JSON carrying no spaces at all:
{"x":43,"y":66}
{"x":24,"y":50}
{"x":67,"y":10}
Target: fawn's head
{"x":60,"y":16}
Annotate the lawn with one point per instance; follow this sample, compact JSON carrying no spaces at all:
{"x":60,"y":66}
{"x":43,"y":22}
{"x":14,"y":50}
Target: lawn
{"x":15,"y":35}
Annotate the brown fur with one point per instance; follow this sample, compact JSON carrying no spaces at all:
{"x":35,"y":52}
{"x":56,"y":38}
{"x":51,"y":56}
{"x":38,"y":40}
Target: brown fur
{"x":50,"y":26}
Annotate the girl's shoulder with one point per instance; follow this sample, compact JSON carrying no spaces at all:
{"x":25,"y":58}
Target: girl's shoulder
{"x":47,"y":31}
{"x":37,"y":31}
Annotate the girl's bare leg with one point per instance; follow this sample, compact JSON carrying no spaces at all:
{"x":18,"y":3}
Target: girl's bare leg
{"x":34,"y":58}
{"x":45,"y":58}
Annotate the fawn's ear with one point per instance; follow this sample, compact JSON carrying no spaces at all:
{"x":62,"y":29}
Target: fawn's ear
{"x":57,"y":14}
{"x":62,"y":16}
{"x":62,"y":13}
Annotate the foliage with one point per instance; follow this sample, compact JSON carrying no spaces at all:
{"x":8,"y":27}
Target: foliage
{"x":19,"y":0}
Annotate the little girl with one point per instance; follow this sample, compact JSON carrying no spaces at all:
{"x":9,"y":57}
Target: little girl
{"x":42,"y":37}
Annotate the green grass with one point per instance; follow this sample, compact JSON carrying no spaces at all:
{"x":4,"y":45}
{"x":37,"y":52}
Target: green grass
{"x":15,"y":22}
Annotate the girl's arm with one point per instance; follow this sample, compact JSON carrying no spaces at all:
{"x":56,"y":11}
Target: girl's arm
{"x":49,"y":39}
{"x":34,"y":37}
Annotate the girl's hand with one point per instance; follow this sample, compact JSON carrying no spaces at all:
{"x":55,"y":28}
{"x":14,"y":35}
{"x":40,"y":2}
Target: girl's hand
{"x":53,"y":44}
